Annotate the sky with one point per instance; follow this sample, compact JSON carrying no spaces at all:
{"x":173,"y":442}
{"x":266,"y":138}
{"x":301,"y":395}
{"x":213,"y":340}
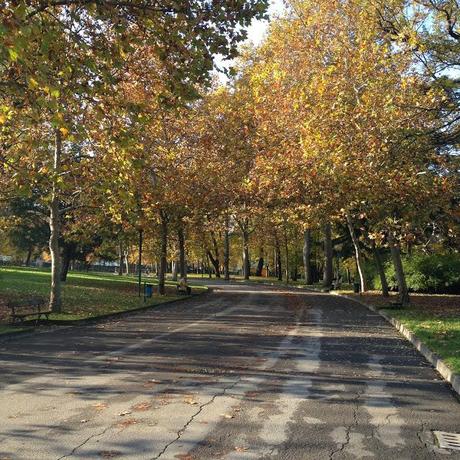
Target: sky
{"x":256,"y":33}
{"x":258,"y":28}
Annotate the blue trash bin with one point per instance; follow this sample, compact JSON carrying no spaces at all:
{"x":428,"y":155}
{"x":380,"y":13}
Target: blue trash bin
{"x":148,"y":291}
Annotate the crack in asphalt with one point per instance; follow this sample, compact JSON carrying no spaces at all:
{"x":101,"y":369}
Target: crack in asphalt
{"x":84,"y":442}
{"x":200,"y":409}
{"x":419,"y":435}
{"x":349,"y":427}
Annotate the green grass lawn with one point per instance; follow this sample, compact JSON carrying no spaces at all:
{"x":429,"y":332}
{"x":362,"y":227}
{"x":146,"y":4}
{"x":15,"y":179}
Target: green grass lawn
{"x":442,"y":335}
{"x":4,"y":329}
{"x":85,"y":295}
{"x":433,"y":318}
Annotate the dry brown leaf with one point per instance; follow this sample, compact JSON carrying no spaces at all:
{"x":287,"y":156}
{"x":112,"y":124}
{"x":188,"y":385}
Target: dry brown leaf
{"x":100,"y":406}
{"x":241,"y":449}
{"x":142,"y":406}
{"x":125,"y":412}
{"x":126,"y":423}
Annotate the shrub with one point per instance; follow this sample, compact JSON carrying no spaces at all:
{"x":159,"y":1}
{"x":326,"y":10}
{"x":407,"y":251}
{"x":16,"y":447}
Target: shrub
{"x":439,"y":273}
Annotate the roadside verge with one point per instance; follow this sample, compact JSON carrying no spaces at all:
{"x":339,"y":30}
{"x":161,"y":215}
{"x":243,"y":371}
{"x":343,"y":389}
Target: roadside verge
{"x":28,"y":328}
{"x":434,"y":359}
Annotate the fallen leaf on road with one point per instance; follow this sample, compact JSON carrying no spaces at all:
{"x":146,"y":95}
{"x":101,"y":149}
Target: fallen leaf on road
{"x":100,"y":406}
{"x":142,"y":406}
{"x":126,"y":423}
{"x":241,"y":449}
{"x":190,"y":401}
{"x":227,"y":415}
{"x":126,"y":412}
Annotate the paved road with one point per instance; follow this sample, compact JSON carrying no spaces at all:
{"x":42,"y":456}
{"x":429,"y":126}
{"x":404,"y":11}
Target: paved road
{"x":243,"y":373}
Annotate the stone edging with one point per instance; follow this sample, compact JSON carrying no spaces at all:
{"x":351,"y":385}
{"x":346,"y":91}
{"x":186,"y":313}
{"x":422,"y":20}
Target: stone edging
{"x":446,"y":373}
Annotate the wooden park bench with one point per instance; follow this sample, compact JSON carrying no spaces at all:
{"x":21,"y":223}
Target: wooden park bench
{"x":32,"y":307}
{"x":183,"y":288}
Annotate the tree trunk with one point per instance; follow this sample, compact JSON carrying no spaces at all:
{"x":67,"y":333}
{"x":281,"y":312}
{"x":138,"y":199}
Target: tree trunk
{"x":139,"y":263}
{"x":215,"y":260}
{"x":246,"y":261}
{"x":279,"y":271}
{"x":328,"y":256}
{"x":286,"y":254}
{"x":399,"y":270}
{"x":175,"y":265}
{"x":29,"y":255}
{"x":227,"y":250}
{"x":127,"y":261}
{"x":67,"y":256}
{"x":215,"y":263}
{"x":380,"y":269}
{"x":358,"y":254}
{"x":55,"y":302}
{"x":260,"y":263}
{"x":307,"y":256}
{"x":182,"y":261}
{"x":120,"y":258}
{"x":163,"y":252}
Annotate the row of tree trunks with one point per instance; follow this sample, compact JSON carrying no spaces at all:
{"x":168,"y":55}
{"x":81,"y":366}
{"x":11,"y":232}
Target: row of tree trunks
{"x":395,"y":255}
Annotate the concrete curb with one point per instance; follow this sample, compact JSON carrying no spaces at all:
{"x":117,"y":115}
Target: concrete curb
{"x":445,"y":372}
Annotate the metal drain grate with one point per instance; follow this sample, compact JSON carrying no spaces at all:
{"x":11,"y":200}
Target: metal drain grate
{"x":448,"y":440}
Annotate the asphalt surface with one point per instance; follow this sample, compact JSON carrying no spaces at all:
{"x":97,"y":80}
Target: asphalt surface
{"x":245,"y":372}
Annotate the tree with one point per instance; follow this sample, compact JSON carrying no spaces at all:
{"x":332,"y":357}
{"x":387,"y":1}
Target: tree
{"x":59,"y":61}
